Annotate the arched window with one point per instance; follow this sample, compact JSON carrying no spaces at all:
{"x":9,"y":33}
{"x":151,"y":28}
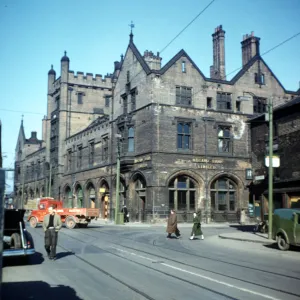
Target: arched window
{"x":182,"y":193}
{"x":223,"y":194}
{"x":68,"y":198}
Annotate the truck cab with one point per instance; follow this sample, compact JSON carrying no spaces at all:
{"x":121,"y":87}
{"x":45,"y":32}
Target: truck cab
{"x":286,"y":227}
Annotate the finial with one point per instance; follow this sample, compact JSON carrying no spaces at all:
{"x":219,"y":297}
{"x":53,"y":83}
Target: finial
{"x":131,"y":34}
{"x":51,"y":67}
{"x":65,"y":53}
{"x":122,"y":57}
{"x":22,"y":120}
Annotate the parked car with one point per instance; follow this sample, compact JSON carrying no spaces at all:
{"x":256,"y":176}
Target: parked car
{"x":17,"y":241}
{"x":286,"y":227}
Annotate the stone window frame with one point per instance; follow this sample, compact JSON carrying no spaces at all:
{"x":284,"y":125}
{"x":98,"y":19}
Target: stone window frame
{"x":79,"y":156}
{"x":133,"y":94}
{"x":228,"y":190}
{"x":107,"y":100}
{"x":224,"y":101}
{"x":131,"y":139}
{"x":228,"y":139}
{"x":125,"y":103}
{"x":259,"y":105}
{"x":184,"y":95}
{"x":105,"y":147}
{"x":185,"y":121}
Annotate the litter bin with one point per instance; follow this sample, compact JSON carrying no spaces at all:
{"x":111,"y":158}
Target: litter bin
{"x":120,"y":218}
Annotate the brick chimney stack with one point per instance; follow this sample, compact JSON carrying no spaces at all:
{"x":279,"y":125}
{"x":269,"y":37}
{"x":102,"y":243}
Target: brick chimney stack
{"x":217,"y":70}
{"x":250,"y":47}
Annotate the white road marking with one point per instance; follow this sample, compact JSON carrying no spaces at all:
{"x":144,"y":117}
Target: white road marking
{"x":202,"y":276}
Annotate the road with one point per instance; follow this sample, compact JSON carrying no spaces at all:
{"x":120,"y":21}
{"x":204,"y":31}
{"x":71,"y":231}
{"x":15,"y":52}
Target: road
{"x":121,"y":262}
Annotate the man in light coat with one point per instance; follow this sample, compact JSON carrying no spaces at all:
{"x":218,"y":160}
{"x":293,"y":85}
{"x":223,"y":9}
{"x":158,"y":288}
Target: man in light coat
{"x":51,"y":225}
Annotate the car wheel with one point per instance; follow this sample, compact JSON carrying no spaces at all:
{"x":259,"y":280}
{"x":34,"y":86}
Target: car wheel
{"x":70,"y":223}
{"x":16,"y":241}
{"x":282,"y":243}
{"x":33,"y":222}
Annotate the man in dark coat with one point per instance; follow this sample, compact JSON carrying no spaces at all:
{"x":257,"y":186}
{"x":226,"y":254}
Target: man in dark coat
{"x":51,"y":225}
{"x":196,"y":230}
{"x":125,"y":212}
{"x":172,"y":225}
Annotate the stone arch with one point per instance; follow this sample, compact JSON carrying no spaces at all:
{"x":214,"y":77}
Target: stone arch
{"x":67,"y":196}
{"x":104,"y":197}
{"x":184,"y":190}
{"x":137,"y":202}
{"x":90,"y":191}
{"x":79,"y":195}
{"x":190,"y":173}
{"x":225,"y":190}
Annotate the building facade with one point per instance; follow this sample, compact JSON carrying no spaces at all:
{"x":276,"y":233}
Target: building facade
{"x":286,"y":145}
{"x":183,"y":138}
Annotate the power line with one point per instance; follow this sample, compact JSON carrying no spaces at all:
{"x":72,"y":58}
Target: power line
{"x":199,"y":14}
{"x":24,"y":112}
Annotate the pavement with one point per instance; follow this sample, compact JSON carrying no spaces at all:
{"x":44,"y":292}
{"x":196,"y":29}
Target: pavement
{"x":253,"y":237}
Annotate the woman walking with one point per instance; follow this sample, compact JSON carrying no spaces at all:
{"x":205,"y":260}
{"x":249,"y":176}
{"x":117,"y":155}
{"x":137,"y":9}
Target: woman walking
{"x":196,"y":230}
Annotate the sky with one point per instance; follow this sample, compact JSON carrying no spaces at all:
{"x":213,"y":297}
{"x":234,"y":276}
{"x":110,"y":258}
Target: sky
{"x":34,"y":34}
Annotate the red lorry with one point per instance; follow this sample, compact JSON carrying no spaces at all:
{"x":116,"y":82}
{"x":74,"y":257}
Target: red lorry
{"x":72,"y":217}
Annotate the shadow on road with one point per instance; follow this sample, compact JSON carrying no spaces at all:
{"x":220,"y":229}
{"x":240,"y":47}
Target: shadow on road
{"x":35,"y":259}
{"x":274,"y":246}
{"x":244,"y":228}
{"x":37,"y":290}
{"x":63,"y":254}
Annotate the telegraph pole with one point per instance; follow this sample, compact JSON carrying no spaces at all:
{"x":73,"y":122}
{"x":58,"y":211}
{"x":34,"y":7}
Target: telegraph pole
{"x":270,"y":192}
{"x":117,"y":221}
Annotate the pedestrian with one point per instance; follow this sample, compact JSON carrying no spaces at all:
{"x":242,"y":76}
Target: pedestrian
{"x":196,"y":230}
{"x":172,"y":225}
{"x":51,"y":225}
{"x":126,"y":214}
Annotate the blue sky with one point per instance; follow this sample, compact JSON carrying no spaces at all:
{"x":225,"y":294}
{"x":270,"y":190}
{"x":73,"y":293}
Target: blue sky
{"x":35,"y":33}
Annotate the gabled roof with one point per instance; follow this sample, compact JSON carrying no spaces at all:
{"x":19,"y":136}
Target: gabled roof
{"x":173,"y":60}
{"x":182,"y":52}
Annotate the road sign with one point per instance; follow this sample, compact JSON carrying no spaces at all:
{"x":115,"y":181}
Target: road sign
{"x":275,"y":161}
{"x":261,"y":177}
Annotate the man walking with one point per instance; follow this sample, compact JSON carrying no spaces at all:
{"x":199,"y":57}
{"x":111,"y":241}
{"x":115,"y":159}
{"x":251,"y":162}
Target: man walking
{"x":51,"y":225}
{"x":125,"y":212}
{"x":172,"y":225}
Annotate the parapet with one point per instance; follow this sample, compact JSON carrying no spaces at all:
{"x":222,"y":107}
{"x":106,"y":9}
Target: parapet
{"x":89,"y":79}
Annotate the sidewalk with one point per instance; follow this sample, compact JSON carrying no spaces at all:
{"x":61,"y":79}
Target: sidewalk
{"x":247,"y":237}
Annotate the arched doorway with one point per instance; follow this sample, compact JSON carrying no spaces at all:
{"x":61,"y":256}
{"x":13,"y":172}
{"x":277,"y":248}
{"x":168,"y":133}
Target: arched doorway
{"x":79,"y":196}
{"x":68,"y":197}
{"x":223,"y":195}
{"x":139,"y":209}
{"x":182,"y":193}
{"x":104,"y":194}
{"x":91,"y":195}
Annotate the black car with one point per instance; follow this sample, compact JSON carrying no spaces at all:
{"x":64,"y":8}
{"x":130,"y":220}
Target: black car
{"x":17,"y":241}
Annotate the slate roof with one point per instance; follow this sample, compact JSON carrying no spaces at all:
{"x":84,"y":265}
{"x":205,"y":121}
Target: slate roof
{"x":182,"y":52}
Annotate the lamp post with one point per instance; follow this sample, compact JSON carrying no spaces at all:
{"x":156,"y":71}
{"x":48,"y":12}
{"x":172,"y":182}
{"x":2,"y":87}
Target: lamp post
{"x":270,"y":191}
{"x":117,"y":220}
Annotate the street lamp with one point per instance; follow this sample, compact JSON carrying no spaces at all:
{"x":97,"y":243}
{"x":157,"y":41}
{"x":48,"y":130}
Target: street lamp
{"x":269,"y":117}
{"x":117,"y":220}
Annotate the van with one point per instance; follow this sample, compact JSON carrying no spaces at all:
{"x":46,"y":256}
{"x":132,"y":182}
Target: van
{"x":286,"y":227}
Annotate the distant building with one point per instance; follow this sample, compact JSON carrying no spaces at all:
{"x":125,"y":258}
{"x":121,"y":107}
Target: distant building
{"x":184,"y":140}
{"x":286,"y":145}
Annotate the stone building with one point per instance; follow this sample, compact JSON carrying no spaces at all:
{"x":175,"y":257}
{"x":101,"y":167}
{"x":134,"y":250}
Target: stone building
{"x":183,"y":138}
{"x":286,"y":145}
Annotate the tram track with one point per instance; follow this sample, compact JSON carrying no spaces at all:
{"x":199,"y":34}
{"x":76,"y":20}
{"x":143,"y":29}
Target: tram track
{"x":191,"y":254}
{"x":183,"y":264}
